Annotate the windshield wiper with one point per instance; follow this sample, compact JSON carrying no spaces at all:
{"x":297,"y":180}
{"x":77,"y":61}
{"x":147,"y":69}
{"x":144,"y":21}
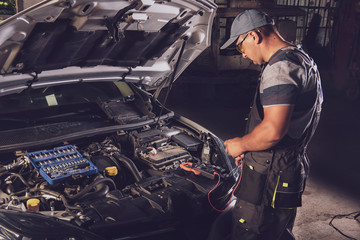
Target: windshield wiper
{"x":17,"y":120}
{"x":69,"y":116}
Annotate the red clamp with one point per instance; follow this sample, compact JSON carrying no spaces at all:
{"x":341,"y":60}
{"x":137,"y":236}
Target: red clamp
{"x":187,"y":166}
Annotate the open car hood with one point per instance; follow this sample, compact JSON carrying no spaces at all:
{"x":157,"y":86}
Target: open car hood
{"x":139,"y":41}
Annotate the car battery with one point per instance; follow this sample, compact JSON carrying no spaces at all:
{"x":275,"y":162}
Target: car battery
{"x":61,"y":163}
{"x":165,"y":158}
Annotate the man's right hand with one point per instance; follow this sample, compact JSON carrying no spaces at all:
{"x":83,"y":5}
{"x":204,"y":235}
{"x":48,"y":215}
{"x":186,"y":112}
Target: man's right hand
{"x":238,"y":159}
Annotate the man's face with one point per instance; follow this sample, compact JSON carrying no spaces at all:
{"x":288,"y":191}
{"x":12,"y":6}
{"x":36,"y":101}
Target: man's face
{"x":239,"y":44}
{"x":246,"y":45}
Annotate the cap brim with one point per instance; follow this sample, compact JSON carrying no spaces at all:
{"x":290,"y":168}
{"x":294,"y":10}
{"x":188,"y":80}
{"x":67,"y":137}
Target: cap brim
{"x":228,"y":42}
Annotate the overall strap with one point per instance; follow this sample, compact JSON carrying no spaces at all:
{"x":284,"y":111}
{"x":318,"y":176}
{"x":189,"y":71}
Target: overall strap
{"x":256,"y":114}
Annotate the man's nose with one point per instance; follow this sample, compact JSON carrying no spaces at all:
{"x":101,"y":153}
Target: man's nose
{"x":244,"y":55}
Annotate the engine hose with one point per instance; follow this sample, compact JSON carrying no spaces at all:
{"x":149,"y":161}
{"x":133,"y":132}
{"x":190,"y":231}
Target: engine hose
{"x":129,"y":164}
{"x":21,"y":178}
{"x":66,"y":204}
{"x":89,"y":187}
{"x":5,"y":200}
{"x":153,"y":172}
{"x":102,"y":190}
{"x":11,"y":166}
{"x":62,"y":197}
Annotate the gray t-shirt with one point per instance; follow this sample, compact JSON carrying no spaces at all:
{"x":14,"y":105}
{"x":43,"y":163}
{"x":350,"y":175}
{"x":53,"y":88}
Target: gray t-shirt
{"x":291,"y":78}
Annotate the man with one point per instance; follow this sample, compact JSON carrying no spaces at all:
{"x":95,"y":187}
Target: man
{"x":284,"y":115}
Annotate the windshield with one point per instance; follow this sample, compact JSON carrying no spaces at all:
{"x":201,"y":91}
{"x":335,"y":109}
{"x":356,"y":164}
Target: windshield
{"x":63,"y":95}
{"x":60,"y":103}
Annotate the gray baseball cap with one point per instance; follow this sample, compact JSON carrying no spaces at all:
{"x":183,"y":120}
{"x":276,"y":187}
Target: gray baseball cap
{"x":245,"y":22}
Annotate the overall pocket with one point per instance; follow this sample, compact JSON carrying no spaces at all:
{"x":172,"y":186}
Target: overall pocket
{"x":254,"y":174}
{"x":248,"y":216}
{"x":289,"y":186}
{"x":249,"y":208}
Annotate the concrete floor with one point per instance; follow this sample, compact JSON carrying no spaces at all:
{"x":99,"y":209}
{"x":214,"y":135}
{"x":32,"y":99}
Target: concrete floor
{"x":333,"y":187}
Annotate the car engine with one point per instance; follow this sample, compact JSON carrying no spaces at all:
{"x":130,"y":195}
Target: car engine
{"x":124,"y":176}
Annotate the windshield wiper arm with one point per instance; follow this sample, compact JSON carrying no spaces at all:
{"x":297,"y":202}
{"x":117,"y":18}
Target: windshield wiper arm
{"x":73,"y":115}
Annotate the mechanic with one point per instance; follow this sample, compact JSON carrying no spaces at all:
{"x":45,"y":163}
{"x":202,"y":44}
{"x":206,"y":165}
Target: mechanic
{"x":282,"y":120}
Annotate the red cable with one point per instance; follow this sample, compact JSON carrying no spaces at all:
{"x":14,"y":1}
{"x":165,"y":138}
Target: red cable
{"x":232,"y":193}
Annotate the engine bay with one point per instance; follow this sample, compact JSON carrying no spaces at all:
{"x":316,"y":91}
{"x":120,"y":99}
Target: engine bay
{"x":144,"y":173}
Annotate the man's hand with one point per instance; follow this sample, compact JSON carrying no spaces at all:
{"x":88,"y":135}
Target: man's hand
{"x":238,"y":159}
{"x":234,"y":149}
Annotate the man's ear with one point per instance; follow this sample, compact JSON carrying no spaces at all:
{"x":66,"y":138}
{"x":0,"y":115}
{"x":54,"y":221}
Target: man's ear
{"x":257,"y":37}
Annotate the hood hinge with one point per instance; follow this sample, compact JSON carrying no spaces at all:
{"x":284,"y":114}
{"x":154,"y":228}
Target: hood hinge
{"x":112,"y":23}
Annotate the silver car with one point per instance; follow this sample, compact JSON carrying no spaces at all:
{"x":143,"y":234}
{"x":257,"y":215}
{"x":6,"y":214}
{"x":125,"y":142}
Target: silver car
{"x":87,"y":151}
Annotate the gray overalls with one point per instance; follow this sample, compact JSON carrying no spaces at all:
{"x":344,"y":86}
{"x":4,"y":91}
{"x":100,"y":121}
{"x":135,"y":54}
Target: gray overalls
{"x":273,"y":180}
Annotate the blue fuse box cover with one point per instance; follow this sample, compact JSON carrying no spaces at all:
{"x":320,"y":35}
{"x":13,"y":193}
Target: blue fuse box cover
{"x":60,"y":163}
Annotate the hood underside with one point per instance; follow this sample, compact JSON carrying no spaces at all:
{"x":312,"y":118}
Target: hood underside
{"x":138,"y":41}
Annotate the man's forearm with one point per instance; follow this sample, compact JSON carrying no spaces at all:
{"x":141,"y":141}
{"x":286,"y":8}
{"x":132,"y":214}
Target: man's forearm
{"x":264,"y":136}
{"x":261,"y":138}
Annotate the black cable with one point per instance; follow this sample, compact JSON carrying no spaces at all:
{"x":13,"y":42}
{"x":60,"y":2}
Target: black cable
{"x":344,"y":215}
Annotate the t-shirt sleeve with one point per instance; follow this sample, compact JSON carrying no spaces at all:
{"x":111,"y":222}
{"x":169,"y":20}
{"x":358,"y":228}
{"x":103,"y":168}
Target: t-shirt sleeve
{"x":280,"y":84}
